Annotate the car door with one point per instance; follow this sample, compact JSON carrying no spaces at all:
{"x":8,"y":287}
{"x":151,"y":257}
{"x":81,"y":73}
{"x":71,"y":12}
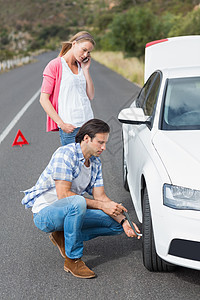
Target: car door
{"x":139,"y":137}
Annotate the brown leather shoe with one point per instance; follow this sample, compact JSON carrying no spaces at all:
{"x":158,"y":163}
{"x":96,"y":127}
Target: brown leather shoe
{"x":78,"y":268}
{"x":58,"y":240}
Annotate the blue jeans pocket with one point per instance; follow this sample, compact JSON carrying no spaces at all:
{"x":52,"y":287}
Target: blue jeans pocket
{"x":68,"y":138}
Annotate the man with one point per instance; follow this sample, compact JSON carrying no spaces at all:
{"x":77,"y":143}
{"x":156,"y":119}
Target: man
{"x":58,"y":205}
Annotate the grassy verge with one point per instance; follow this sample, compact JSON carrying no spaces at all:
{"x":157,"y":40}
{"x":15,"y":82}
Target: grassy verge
{"x":131,"y":68}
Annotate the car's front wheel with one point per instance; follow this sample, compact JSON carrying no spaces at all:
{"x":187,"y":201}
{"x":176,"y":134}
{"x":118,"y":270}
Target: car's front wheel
{"x":150,"y":258}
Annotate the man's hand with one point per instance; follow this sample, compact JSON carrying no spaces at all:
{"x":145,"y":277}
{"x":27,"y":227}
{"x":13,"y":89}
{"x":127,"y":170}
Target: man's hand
{"x":112,"y":208}
{"x":129,"y":231}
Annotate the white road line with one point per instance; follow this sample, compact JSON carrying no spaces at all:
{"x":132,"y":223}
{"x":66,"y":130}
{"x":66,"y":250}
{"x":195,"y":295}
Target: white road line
{"x":18,"y":116}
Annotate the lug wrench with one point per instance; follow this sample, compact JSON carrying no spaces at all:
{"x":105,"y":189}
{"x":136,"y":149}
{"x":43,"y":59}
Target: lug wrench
{"x":131,"y":224}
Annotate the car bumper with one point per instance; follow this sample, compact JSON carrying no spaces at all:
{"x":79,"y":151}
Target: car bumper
{"x":177,"y":237}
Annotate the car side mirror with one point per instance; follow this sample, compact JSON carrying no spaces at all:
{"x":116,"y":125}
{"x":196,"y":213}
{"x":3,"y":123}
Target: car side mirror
{"x":133,"y":115}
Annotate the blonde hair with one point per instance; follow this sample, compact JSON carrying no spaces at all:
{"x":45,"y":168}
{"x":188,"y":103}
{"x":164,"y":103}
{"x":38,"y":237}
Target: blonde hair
{"x":81,"y":36}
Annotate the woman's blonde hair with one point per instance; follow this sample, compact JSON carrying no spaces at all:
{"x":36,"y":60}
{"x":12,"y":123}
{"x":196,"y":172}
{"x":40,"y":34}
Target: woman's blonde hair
{"x":81,"y":36}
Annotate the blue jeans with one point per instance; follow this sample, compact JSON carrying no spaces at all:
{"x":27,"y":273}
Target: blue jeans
{"x":78,"y":223}
{"x":68,"y":138}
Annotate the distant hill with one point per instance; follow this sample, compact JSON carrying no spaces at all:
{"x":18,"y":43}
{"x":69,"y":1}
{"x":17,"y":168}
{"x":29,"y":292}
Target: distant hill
{"x":31,"y":24}
{"x":22,"y":13}
{"x":27,"y":25}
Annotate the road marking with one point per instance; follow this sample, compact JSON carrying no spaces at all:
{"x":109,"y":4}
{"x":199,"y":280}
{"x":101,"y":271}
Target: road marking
{"x":18,"y":116}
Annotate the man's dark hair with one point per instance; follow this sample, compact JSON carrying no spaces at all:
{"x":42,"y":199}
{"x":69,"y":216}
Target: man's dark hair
{"x":92,"y":127}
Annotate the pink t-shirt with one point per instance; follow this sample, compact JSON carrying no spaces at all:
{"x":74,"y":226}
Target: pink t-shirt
{"x":51,"y":85}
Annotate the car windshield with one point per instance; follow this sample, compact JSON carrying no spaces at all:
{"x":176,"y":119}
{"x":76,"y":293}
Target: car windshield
{"x":182,"y":104}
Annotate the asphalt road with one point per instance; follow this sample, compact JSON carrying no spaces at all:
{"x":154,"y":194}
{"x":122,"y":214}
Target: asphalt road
{"x":31,"y":266}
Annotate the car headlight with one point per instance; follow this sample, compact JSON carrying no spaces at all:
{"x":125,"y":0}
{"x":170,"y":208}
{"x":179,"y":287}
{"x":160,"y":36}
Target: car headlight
{"x":180,"y":197}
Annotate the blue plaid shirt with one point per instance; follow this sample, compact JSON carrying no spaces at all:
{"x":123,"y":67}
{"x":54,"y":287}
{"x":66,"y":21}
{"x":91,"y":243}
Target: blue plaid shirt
{"x":65,"y":164}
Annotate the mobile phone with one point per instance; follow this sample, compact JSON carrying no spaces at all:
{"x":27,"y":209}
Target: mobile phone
{"x":85,"y":59}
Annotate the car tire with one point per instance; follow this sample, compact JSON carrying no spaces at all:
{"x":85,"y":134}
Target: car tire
{"x":125,"y":182}
{"x":151,"y":260}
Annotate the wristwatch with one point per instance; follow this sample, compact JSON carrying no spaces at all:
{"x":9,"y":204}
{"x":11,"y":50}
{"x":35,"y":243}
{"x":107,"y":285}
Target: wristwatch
{"x":123,"y":220}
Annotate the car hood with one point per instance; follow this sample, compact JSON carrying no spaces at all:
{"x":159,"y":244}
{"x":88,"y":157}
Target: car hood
{"x":180,"y":154}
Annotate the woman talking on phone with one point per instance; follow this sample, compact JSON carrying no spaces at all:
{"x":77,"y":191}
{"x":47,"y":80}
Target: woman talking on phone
{"x":67,"y":87}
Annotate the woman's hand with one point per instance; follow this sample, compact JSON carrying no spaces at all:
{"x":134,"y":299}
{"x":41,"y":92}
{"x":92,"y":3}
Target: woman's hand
{"x":68,"y":128}
{"x":89,"y":83}
{"x":129,"y":231}
{"x":86,"y":65}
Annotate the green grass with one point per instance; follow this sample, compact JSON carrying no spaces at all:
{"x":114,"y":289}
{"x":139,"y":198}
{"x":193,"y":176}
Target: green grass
{"x":131,"y":68}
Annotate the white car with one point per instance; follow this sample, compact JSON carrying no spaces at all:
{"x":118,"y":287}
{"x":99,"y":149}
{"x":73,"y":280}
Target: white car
{"x":161,"y":143}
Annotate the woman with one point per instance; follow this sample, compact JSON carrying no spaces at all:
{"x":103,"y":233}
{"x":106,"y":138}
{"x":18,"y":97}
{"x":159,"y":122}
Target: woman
{"x":67,"y":87}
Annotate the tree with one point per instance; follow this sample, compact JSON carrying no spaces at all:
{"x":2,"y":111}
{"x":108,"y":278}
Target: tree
{"x":129,"y":32}
{"x":188,"y":25}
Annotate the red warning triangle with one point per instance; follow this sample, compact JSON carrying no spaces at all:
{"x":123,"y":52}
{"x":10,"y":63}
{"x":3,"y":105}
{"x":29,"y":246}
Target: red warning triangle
{"x":19,"y":143}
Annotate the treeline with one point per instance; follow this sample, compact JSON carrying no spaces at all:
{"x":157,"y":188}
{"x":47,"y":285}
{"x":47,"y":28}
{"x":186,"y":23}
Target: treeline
{"x":130,"y":30}
{"x":117,"y":25}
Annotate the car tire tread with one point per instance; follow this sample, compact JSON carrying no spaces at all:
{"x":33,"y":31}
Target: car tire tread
{"x":150,"y":258}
